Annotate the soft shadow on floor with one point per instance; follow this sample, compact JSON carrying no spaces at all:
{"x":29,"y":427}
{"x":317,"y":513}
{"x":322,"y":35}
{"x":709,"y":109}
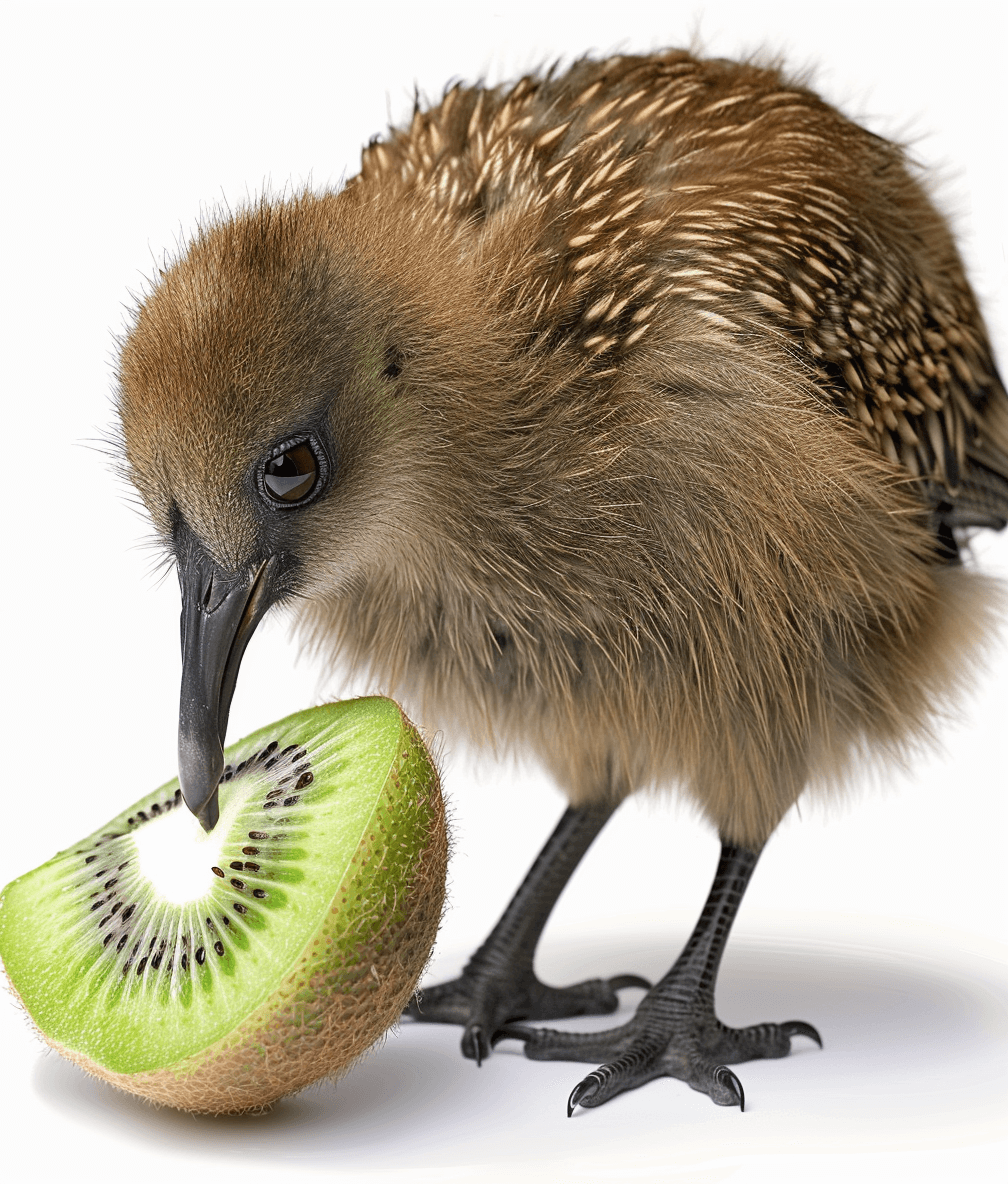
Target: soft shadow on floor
{"x":912,"y":1046}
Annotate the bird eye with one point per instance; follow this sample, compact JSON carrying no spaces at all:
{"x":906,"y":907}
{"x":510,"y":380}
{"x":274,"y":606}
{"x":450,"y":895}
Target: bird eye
{"x":293,"y":473}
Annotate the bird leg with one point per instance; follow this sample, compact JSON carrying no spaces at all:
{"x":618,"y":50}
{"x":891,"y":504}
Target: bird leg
{"x":675,"y":1032}
{"x":498,"y":984}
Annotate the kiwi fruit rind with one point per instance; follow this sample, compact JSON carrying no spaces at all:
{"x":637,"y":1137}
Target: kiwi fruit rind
{"x":216,"y":973}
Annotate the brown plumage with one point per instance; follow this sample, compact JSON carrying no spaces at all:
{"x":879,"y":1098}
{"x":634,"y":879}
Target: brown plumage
{"x":655,"y":391}
{"x":629,"y":308}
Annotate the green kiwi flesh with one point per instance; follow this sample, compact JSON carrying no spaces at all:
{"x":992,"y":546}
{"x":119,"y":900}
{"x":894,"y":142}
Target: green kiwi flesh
{"x":218,"y":972}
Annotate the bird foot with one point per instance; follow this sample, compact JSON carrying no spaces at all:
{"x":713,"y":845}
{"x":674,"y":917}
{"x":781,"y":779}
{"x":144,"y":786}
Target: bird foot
{"x":483,"y":1000}
{"x":689,"y":1043}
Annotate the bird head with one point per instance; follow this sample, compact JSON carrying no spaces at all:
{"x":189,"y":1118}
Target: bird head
{"x":274,"y":392}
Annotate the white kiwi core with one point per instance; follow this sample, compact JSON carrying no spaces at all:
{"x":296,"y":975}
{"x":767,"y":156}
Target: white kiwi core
{"x":177,"y":855}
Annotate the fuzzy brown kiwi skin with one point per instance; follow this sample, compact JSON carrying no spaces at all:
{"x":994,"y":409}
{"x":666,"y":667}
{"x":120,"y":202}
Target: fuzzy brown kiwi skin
{"x":342,"y":995}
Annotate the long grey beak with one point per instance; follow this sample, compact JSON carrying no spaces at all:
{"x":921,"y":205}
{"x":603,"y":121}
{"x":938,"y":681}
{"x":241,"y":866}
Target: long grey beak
{"x":220,"y":611}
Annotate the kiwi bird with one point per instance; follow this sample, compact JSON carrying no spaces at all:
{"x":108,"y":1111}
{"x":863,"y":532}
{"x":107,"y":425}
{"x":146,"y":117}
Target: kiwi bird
{"x":633,"y":416}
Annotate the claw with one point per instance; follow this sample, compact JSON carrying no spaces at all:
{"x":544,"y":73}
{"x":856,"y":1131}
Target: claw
{"x":629,"y":980}
{"x":724,"y":1076}
{"x":587,"y":1088}
{"x":800,"y":1028}
{"x":474,"y":1044}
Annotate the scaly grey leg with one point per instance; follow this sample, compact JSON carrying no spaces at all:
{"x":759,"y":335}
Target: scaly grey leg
{"x":675,"y":1032}
{"x":498,"y":984}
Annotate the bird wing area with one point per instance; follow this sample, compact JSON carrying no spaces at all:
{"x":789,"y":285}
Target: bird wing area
{"x":632,"y":185}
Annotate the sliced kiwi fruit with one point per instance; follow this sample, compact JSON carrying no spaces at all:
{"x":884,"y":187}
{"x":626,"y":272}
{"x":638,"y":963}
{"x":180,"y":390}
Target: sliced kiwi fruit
{"x":216,"y":973}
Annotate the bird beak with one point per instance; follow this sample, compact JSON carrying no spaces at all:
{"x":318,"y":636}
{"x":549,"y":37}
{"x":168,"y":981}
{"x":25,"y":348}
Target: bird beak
{"x":220,"y":611}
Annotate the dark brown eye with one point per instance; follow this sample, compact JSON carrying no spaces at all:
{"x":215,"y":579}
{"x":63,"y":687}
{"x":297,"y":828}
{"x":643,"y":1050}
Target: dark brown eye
{"x":292,"y":475}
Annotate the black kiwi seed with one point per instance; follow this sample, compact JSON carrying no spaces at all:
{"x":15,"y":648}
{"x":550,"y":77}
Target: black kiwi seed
{"x":90,"y":859}
{"x":236,"y":865}
{"x":185,"y":962}
{"x":201,"y":956}
{"x":108,"y":936}
{"x":258,"y":835}
{"x":274,"y":793}
{"x":125,"y":863}
{"x":98,"y":904}
{"x":141,"y":965}
{"x":217,"y":872}
{"x":226,"y":920}
{"x":292,"y":800}
{"x":259,"y":893}
{"x":236,"y":883}
{"x":305,"y":779}
{"x":122,"y":942}
{"x":115,"y":908}
{"x":127,"y":913}
{"x":112,"y":883}
{"x":250,"y":850}
{"x":104,"y":921}
{"x":219,"y":948}
{"x":250,"y":866}
{"x":239,"y":908}
{"x":155,"y":809}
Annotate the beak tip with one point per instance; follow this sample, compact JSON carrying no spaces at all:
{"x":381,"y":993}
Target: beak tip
{"x":209,"y":814}
{"x":200,"y":768}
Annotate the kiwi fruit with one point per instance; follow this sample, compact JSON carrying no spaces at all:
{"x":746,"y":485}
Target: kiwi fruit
{"x":218,"y":972}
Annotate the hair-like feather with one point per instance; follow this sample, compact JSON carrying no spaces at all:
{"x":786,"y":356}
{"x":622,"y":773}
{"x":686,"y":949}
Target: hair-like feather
{"x":658,"y":391}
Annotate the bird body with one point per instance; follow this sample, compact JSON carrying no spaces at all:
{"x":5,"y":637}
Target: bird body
{"x":631,"y":417}
{"x":656,"y":389}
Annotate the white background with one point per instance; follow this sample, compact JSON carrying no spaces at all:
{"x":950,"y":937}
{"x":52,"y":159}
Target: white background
{"x":883,"y":922}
